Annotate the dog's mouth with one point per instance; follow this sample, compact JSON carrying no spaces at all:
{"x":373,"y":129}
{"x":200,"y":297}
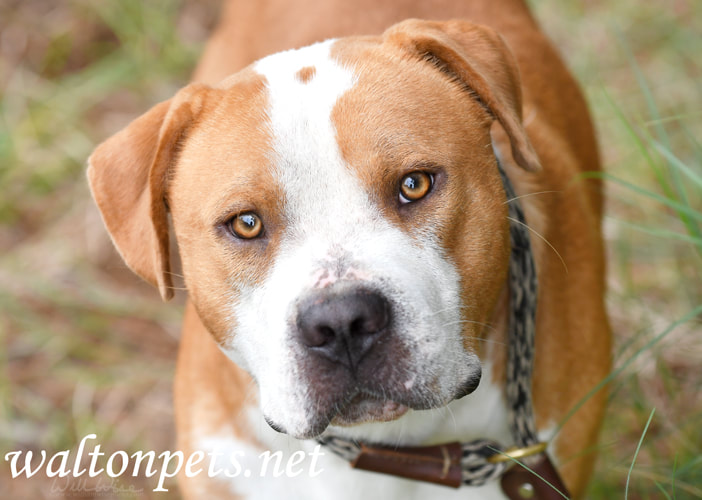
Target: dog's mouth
{"x":365,"y":405}
{"x":367,"y":408}
{"x":361,"y":408}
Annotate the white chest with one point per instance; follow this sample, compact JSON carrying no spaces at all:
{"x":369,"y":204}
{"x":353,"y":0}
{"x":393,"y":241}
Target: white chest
{"x":295,"y":469}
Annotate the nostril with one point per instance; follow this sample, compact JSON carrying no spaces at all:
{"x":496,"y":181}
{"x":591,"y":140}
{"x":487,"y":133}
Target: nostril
{"x":373,"y":322}
{"x":373,"y":315}
{"x":324,"y":335}
{"x":313,"y":335}
{"x":357,"y":326}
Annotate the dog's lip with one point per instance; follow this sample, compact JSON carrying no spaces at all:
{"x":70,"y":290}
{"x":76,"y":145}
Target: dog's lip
{"x":364,"y":408}
{"x":469,"y":386}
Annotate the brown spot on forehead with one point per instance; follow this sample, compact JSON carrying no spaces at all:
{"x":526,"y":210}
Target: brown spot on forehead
{"x":306,"y":74}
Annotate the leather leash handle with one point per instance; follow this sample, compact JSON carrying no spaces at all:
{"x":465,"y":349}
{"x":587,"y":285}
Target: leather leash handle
{"x":519,"y":483}
{"x":440,"y":464}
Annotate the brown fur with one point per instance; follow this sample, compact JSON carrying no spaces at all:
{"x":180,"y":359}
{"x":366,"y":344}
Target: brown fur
{"x":306,"y":74}
{"x":518,"y":79}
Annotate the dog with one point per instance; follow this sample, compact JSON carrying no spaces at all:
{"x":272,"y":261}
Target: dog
{"x":332,"y":180}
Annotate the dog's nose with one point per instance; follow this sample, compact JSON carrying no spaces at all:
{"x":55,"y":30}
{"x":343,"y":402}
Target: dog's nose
{"x":343,"y":326}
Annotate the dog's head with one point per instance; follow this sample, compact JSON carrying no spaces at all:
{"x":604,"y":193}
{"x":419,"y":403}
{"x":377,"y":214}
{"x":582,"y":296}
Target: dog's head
{"x":339,"y":215}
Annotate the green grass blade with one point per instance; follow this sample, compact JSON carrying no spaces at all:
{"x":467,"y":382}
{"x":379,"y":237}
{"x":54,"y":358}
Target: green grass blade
{"x":655,"y":340}
{"x":660,"y":487}
{"x":675,"y":470}
{"x":643,"y":85}
{"x":678,"y":207}
{"x":636,"y":454}
{"x":690,"y":137}
{"x":531,"y":471}
{"x":658,"y":125}
{"x":663,"y":233}
{"x":697,"y":462}
{"x":678,"y":164}
{"x":641,"y":146}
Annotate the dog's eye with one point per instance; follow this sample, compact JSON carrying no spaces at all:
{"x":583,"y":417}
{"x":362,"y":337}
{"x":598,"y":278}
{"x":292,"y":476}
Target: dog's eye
{"x":415,"y":186}
{"x":246,"y":226}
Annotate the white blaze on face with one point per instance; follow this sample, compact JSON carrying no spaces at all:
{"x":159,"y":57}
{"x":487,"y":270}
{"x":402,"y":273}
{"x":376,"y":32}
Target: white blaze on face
{"x":333,"y":231}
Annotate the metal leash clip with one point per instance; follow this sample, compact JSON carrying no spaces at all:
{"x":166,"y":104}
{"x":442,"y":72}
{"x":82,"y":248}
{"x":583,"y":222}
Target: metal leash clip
{"x":516,"y":453}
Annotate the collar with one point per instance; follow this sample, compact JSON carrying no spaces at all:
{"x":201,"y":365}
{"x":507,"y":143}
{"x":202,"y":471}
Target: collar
{"x":525,"y":471}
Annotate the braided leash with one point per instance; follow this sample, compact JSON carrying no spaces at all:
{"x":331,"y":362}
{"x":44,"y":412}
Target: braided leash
{"x":522,"y":325}
{"x":482,"y":460}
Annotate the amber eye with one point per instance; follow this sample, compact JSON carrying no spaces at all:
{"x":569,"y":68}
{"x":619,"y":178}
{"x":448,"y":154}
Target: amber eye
{"x":246,"y":226}
{"x":415,"y":186}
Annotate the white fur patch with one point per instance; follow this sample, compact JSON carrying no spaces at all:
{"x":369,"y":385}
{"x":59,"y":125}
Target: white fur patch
{"x":331,"y":223}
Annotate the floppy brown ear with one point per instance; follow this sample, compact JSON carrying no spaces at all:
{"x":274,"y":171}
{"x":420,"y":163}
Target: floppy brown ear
{"x":477,"y":57}
{"x":128,"y":175}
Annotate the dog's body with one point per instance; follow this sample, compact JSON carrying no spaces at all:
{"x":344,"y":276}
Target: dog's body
{"x":313,"y":144}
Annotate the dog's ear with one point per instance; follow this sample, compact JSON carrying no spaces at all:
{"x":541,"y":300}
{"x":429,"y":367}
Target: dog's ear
{"x":128,"y":178}
{"x":479,"y":59}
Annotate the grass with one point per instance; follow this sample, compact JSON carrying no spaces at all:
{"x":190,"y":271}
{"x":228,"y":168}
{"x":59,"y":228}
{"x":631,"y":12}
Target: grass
{"x":641,"y":77}
{"x":636,"y":454}
{"x":85,"y":347}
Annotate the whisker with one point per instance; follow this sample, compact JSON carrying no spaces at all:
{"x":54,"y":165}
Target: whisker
{"x":488,"y":341}
{"x":527,"y":195}
{"x":544,"y":240}
{"x":456,"y":307}
{"x":486,"y":325}
{"x":453,"y":417}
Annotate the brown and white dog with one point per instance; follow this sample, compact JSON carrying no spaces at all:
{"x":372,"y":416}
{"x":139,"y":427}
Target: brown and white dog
{"x":344,"y":238}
